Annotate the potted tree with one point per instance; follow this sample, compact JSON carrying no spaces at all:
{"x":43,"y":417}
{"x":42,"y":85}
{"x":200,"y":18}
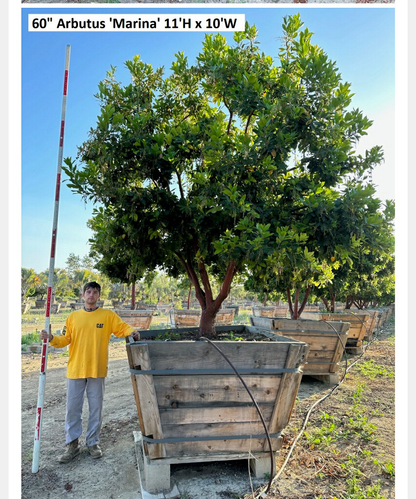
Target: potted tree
{"x":184,"y":168}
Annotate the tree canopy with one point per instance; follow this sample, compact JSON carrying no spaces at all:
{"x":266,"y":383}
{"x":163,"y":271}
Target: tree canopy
{"x":196,"y":171}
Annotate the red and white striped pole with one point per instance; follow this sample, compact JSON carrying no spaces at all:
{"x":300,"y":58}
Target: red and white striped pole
{"x":44,"y":359}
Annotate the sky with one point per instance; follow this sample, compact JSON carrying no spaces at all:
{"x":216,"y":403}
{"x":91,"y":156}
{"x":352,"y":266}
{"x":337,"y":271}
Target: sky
{"x":361,"y":41}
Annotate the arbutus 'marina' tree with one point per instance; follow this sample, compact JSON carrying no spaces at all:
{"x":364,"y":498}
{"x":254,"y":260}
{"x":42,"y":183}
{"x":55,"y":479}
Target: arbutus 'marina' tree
{"x":193,"y":171}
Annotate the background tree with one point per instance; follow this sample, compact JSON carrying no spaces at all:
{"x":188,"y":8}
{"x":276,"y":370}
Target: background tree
{"x":193,"y":172}
{"x":29,"y":280}
{"x":370,"y":267}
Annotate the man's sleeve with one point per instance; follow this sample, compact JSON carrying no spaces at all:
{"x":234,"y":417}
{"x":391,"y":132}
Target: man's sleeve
{"x":120,"y":328}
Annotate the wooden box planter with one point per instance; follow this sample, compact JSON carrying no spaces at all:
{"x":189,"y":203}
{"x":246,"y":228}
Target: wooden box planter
{"x":225,"y":317}
{"x":192,"y":318}
{"x":358,"y":326}
{"x":76,"y":306}
{"x":280,"y":311}
{"x":327,"y":343}
{"x":192,"y":407}
{"x":184,"y":318}
{"x":140,"y":319}
{"x":40,"y":303}
{"x":371,"y":323}
{"x":235,"y":307}
{"x":55,"y":308}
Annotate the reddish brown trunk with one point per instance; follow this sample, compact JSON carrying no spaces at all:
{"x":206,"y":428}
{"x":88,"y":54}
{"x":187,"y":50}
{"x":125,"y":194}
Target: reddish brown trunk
{"x":332,"y":303}
{"x":304,"y":301}
{"x":289,"y":302}
{"x":207,"y":323}
{"x":133,"y":296}
{"x":325,"y":302}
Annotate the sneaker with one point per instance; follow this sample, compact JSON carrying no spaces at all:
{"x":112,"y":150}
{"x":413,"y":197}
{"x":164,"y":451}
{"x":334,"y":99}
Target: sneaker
{"x":95,"y":451}
{"x":72,"y":450}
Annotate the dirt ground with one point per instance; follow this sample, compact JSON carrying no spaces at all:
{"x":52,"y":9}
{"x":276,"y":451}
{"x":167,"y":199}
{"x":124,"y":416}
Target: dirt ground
{"x":354,"y":451}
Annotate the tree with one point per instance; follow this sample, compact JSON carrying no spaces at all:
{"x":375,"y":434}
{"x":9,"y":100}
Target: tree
{"x":194,"y":172}
{"x":368,"y":271}
{"x":29,"y":280}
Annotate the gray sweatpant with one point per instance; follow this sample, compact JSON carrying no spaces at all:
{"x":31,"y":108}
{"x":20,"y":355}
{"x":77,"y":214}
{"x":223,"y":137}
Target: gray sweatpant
{"x":76,"y":388}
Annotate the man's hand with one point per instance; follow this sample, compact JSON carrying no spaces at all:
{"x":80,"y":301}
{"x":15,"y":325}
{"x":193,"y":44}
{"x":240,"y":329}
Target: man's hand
{"x":135,"y":335}
{"x":44,"y":335}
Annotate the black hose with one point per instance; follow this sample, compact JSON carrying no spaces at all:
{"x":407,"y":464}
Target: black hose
{"x":272,"y":463}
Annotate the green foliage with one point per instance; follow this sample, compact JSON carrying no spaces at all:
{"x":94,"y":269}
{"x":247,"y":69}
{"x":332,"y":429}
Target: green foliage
{"x":29,"y":338}
{"x":168,"y":335}
{"x":372,"y":370}
{"x":232,"y":163}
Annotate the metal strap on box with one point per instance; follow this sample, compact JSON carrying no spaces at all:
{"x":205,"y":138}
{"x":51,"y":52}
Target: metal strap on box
{"x":151,"y":440}
{"x":169,"y":372}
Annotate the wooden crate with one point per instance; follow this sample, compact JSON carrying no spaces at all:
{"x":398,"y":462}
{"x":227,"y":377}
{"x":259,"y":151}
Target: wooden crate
{"x":225,"y":316}
{"x":184,"y":318}
{"x":372,"y":321}
{"x":191,"y":405}
{"x":280,"y":311}
{"x":356,"y":332}
{"x":139,"y":319}
{"x":327,"y":341}
{"x":192,"y":317}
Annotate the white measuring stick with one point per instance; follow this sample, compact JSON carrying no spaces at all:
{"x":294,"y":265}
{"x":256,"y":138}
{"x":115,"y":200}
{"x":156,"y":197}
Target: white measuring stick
{"x":42,"y":379}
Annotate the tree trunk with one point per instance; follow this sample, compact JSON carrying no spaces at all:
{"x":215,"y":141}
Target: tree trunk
{"x":189,"y":296}
{"x":304,"y":302}
{"x":207,"y":323}
{"x":133,"y":296}
{"x":326,"y":303}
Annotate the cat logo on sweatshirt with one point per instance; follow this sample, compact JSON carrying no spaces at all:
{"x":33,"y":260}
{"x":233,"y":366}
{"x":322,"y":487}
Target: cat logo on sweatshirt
{"x":100,"y":326}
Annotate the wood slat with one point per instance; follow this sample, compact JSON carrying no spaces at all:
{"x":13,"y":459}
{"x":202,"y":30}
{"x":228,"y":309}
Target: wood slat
{"x":214,"y":389}
{"x":213,"y":429}
{"x":212,"y":415}
{"x":146,"y":400}
{"x":286,"y":394}
{"x":200,"y":355}
{"x":227,"y":447}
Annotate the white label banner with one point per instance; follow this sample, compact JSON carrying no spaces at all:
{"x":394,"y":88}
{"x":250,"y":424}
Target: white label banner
{"x":134,"y":22}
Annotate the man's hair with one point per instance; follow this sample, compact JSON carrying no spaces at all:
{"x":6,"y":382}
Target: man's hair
{"x":92,"y":284}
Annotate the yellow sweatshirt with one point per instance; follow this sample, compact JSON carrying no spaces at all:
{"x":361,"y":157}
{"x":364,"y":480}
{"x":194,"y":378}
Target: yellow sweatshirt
{"x":88,"y":335}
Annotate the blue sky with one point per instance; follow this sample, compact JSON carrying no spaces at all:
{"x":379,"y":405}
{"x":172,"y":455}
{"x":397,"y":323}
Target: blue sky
{"x":361,"y":41}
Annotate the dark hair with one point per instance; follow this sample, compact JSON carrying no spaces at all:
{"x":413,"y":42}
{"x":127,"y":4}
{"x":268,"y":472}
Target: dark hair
{"x":92,"y":284}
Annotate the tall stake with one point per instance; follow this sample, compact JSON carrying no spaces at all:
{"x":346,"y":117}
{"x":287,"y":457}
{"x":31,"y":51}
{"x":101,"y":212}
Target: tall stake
{"x":42,"y":379}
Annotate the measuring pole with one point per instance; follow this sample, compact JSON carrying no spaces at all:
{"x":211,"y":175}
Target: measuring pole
{"x":44,"y":358}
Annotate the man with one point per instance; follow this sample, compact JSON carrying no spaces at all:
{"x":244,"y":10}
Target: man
{"x":87,"y":332}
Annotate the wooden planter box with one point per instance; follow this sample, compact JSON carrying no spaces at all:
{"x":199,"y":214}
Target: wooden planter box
{"x":192,"y":318}
{"x":139,"y":319}
{"x":358,"y":326}
{"x":55,"y":308}
{"x":327,"y":343}
{"x":235,"y":307}
{"x":372,"y":321}
{"x":192,"y":407}
{"x":184,"y":318}
{"x":280,"y":311}
{"x":76,"y":306}
{"x":40,"y":303}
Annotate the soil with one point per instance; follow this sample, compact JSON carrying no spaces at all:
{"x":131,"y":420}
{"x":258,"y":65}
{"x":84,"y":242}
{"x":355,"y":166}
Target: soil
{"x":353,"y":449}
